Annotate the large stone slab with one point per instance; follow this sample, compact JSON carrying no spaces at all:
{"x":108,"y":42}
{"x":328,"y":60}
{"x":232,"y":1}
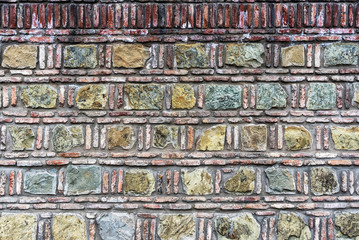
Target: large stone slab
{"x":347,"y":225}
{"x":321,"y":96}
{"x":292,"y":226}
{"x":68,"y":227}
{"x":191,"y":55}
{"x":116,"y":226}
{"x":341,"y":54}
{"x":139,"y":182}
{"x":23,"y":137}
{"x":20,"y":56}
{"x":177,"y":227}
{"x":323,"y":181}
{"x":242,"y":182}
{"x":345,"y":138}
{"x":121,"y":136}
{"x":297,"y":138}
{"x":83,"y":180}
{"x":164,"y":135}
{"x":80,"y":56}
{"x":254,"y":138}
{"x":92,"y":96}
{"x":16,"y":226}
{"x":197,"y":182}
{"x":183,"y":97}
{"x":223,"y":97}
{"x":130,"y":55}
{"x":39,"y":96}
{"x":40,"y":182}
{"x":280,"y":179}
{"x":212,"y":139}
{"x":245,"y":54}
{"x":144,"y":97}
{"x":293,"y":56}
{"x":271,"y":95}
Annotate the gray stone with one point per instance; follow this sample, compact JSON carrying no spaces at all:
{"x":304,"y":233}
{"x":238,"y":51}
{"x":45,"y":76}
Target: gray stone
{"x":116,"y":226}
{"x":271,"y":95}
{"x":291,"y":226}
{"x":39,"y":96}
{"x":61,"y":139}
{"x":177,"y":227}
{"x":40,"y":182}
{"x":321,"y":96}
{"x":341,"y":54}
{"x":245,"y":54}
{"x":83,"y":180}
{"x":164,"y":135}
{"x":191,"y":55}
{"x":223,"y":97}
{"x":323,"y":181}
{"x":23,"y":138}
{"x":20,"y":56}
{"x":80,"y":56}
{"x":197,"y":182}
{"x":18,"y":226}
{"x":347,"y":225}
{"x":144,"y":97}
{"x":280,"y":179}
{"x":254,"y":137}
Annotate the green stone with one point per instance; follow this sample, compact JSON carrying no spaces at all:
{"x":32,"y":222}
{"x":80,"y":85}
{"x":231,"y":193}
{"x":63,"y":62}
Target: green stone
{"x":191,"y":55}
{"x":23,"y":138}
{"x":245,"y":54}
{"x":321,"y":96}
{"x":242,"y":182}
{"x":68,"y":227}
{"x":61,"y":139}
{"x":293,"y":56}
{"x":271,"y":95}
{"x":139,"y":182}
{"x":222,"y":97}
{"x":212,"y":139}
{"x":341,"y":54}
{"x":40,"y":182}
{"x":280,"y":179}
{"x":121,"y":136}
{"x":347,"y":224}
{"x":297,"y":138}
{"x":83,"y":180}
{"x":130,"y":55}
{"x":20,"y":56}
{"x":77,"y":135}
{"x":80,"y":56}
{"x":324,"y":181}
{"x":197,"y":182}
{"x":144,"y":97}
{"x":177,"y":227}
{"x":183,"y":97}
{"x":92,"y":96}
{"x":39,"y":96}
{"x":18,"y":226}
{"x":345,"y":138}
{"x":242,"y":226}
{"x":254,"y":138}
{"x":164,"y":135}
{"x":291,"y":226}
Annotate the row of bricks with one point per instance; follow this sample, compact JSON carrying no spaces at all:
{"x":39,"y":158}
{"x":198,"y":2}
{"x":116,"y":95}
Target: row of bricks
{"x":138,"y":15}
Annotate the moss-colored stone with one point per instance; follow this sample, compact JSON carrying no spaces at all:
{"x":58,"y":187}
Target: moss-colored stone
{"x":23,"y":138}
{"x":130,"y":55}
{"x":164,"y":135}
{"x":271,"y":95}
{"x":280,"y":179}
{"x":139,"y":182}
{"x":323,"y":181}
{"x":254,"y":138}
{"x":242,"y":182}
{"x":183,"y":97}
{"x":345,"y":138}
{"x":80,"y":56}
{"x":297,"y":138}
{"x":241,"y":227}
{"x":293,"y":56}
{"x":20,"y":56}
{"x":321,"y":96}
{"x":144,"y":97}
{"x":212,"y":139}
{"x":77,"y":135}
{"x":39,"y":96}
{"x":121,"y":136}
{"x":92,"y":96}
{"x":222,"y":97}
{"x":347,"y":224}
{"x":16,"y":226}
{"x":245,"y":54}
{"x":341,"y":54}
{"x":191,"y":55}
{"x":40,"y":182}
{"x":177,"y":227}
{"x":61,"y":139}
{"x":68,"y":227}
{"x":197,"y":182}
{"x":83,"y":180}
{"x":291,"y":226}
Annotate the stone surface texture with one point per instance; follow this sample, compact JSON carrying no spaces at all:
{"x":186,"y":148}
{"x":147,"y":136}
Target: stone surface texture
{"x":80,"y":56}
{"x":19,"y":56}
{"x":40,"y":182}
{"x":254,"y":138}
{"x":341,"y":54}
{"x":18,"y":226}
{"x":291,"y":226}
{"x":345,"y":138}
{"x":271,"y":95}
{"x":164,"y":135}
{"x":245,"y":55}
{"x":116,"y":226}
{"x":346,"y":223}
{"x":242,"y":182}
{"x":191,"y":55}
{"x":293,"y":56}
{"x":139,"y":182}
{"x":68,"y":227}
{"x":177,"y":227}
{"x":23,"y":138}
{"x":212,"y":139}
{"x":197,"y":182}
{"x":38,"y":96}
{"x":297,"y":138}
{"x":144,"y":97}
{"x":324,"y":181}
{"x":130,"y":55}
{"x":183,"y":97}
{"x":92,"y":97}
{"x":321,"y":96}
{"x":83,"y":180}
{"x":121,"y":136}
{"x":224,"y":97}
{"x":280,"y":179}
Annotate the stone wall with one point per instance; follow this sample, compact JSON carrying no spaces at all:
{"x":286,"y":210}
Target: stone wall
{"x":180,"y":120}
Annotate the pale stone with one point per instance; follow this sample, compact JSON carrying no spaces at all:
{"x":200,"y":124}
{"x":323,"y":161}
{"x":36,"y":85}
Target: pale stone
{"x":116,"y":226}
{"x":345,"y":138}
{"x":92,"y":96}
{"x":271,"y":95}
{"x":191,"y":55}
{"x":40,"y":182}
{"x":16,"y":226}
{"x":321,"y":96}
{"x":83,"y":180}
{"x":291,"y":226}
{"x":293,"y":56}
{"x":356,"y":93}
{"x":20,"y":56}
{"x":254,"y":138}
{"x":164,"y":135}
{"x":242,"y":182}
{"x":68,"y":227}
{"x":177,"y":227}
{"x":144,"y":97}
{"x":280,"y":179}
{"x":197,"y":182}
{"x":61,"y":139}
{"x":39,"y":96}
{"x":341,"y":54}
{"x":23,"y":138}
{"x":77,"y":135}
{"x":297,"y":138}
{"x":80,"y":56}
{"x":139,"y":182}
{"x":347,"y":225}
{"x":130,"y":55}
{"x":212,"y":139}
{"x":121,"y":136}
{"x":323,"y":181}
{"x":183,"y":97}
{"x":222,"y":97}
{"x":245,"y":54}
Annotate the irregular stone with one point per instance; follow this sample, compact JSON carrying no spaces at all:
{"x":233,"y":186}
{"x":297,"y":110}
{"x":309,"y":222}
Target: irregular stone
{"x":68,"y":227}
{"x":83,"y":180}
{"x":245,"y":54}
{"x":177,"y":227}
{"x":77,"y":135}
{"x":130,"y":55}
{"x":121,"y":136}
{"x":324,"y":181}
{"x":222,"y":97}
{"x":356,"y":93}
{"x":139,"y":182}
{"x":23,"y":138}
{"x":20,"y":56}
{"x":164,"y":135}
{"x":242,"y":182}
{"x":291,"y":226}
{"x":191,"y":55}
{"x":183,"y":97}
{"x":293,"y":56}
{"x":321,"y":96}
{"x":144,"y":97}
{"x":297,"y":138}
{"x":345,"y":138}
{"x":243,"y":226}
{"x":347,"y":224}
{"x":92,"y":96}
{"x":15,"y":226}
{"x":80,"y":56}
{"x":40,"y":182}
{"x":254,"y":138}
{"x":61,"y":139}
{"x":116,"y":226}
{"x":280,"y":179}
{"x":271,"y":95}
{"x":197,"y":182}
{"x":39,"y":96}
{"x":341,"y":54}
{"x":212,"y":139}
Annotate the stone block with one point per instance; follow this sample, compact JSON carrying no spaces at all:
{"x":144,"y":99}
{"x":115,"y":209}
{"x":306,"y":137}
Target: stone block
{"x":191,"y":55}
{"x":297,"y":138}
{"x":68,"y":227}
{"x":177,"y":227}
{"x":223,"y":97}
{"x":144,"y":97}
{"x":345,"y":138}
{"x":20,"y":56}
{"x":92,"y":96}
{"x":254,"y":138}
{"x":23,"y":137}
{"x":197,"y":182}
{"x":115,"y":226}
{"x":293,"y":56}
{"x":80,"y":56}
{"x":321,"y":96}
{"x":212,"y":139}
{"x":245,"y":54}
{"x":83,"y":180}
{"x":271,"y":95}
{"x":16,"y":226}
{"x":242,"y":182}
{"x":130,"y":55}
{"x":323,"y":181}
{"x":39,"y":96}
{"x":121,"y":136}
{"x":40,"y":182}
{"x":183,"y":97}
{"x":341,"y":54}
{"x":139,"y":182}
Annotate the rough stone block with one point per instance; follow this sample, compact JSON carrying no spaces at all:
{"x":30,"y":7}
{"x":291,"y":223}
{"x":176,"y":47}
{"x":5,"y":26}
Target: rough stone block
{"x":345,"y":138}
{"x":254,"y":138}
{"x":212,"y":139}
{"x":92,"y":97}
{"x":14,"y":226}
{"x":20,"y":56}
{"x":177,"y":227}
{"x":83,"y":180}
{"x":341,"y":54}
{"x":144,"y":97}
{"x":68,"y":227}
{"x":293,"y":226}
{"x":245,"y":54}
{"x":139,"y":182}
{"x":242,"y":182}
{"x":114,"y":226}
{"x":271,"y":95}
{"x":191,"y":55}
{"x":130,"y":55}
{"x":293,"y":56}
{"x":39,"y":96}
{"x":164,"y":135}
{"x":324,"y":181}
{"x":80,"y":56}
{"x":197,"y":182}
{"x":121,"y":136}
{"x":297,"y":138}
{"x":183,"y":97}
{"x":222,"y":97}
{"x":280,"y":180}
{"x":40,"y":182}
{"x":321,"y":96}
{"x":23,"y":138}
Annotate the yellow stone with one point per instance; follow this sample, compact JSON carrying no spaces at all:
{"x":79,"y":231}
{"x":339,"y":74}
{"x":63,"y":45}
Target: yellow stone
{"x":18,"y":226}
{"x":139,"y":182}
{"x":293,"y":56}
{"x":130,"y":55}
{"x":92,"y":96}
{"x":177,"y":227}
{"x":212,"y":139}
{"x":121,"y":136}
{"x":68,"y":227}
{"x":346,"y":138}
{"x":197,"y":182}
{"x":20,"y":56}
{"x":183,"y":97}
{"x":297,"y":138}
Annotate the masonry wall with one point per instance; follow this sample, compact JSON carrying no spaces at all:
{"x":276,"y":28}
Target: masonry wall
{"x":179,"y":120}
